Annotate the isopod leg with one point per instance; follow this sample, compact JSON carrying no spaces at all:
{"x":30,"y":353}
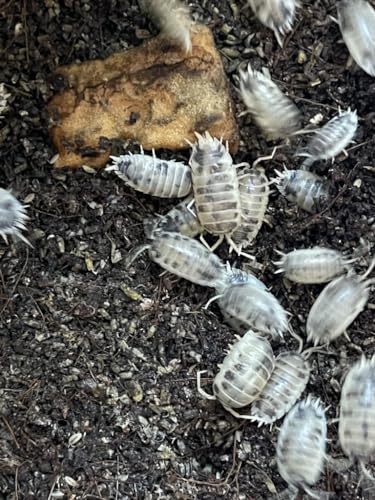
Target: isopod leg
{"x":238,"y":249}
{"x":212,"y":299}
{"x":265,"y":158}
{"x":238,"y":415}
{"x":133,"y":254}
{"x":213,"y":247}
{"x":201,"y":391}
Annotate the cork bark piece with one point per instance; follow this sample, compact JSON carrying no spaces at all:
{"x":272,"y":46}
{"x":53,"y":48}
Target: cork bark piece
{"x":154,"y":95}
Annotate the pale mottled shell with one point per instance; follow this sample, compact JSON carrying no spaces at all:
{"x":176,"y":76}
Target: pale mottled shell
{"x":285,"y":386}
{"x":238,"y":276}
{"x":257,"y":308}
{"x":179,"y":219}
{"x":254,"y":193}
{"x":357,"y":24}
{"x":336,"y":308}
{"x":274,"y":113}
{"x":12,"y":216}
{"x":312,"y":265}
{"x":150,"y":175}
{"x":215,"y":186}
{"x":301,"y":445}
{"x":173,"y":18}
{"x":244,"y":371}
{"x":357,"y":411}
{"x":189,"y":259}
{"x":328,"y":141}
{"x":306,"y":189}
{"x":278,"y":15}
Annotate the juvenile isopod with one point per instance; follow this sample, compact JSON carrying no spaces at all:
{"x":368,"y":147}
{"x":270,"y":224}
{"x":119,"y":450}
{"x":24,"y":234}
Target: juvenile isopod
{"x":306,"y":189}
{"x":278,"y":15}
{"x":254,"y":307}
{"x":274,"y":113}
{"x":243,"y":373}
{"x":254,"y":193}
{"x":337,"y":306}
{"x":180,"y":219}
{"x":12,"y":216}
{"x":184,"y":257}
{"x":215,"y":187}
{"x":356,"y":19}
{"x":357,"y":412}
{"x":173,"y":18}
{"x":330,"y":140}
{"x":301,"y":445}
{"x":150,"y":175}
{"x":312,"y":265}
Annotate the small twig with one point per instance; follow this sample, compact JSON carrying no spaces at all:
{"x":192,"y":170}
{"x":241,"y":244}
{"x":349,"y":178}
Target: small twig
{"x":11,"y":431}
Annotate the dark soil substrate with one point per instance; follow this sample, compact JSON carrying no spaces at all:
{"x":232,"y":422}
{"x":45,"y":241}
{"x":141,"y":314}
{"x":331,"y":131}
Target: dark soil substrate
{"x":98,"y":390}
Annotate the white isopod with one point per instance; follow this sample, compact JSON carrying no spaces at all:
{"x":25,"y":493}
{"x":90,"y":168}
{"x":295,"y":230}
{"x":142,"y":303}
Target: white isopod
{"x":243,"y":374}
{"x":254,"y":193}
{"x":150,"y":175}
{"x":337,"y":306}
{"x":12,"y":216}
{"x":330,"y":140}
{"x":173,"y":18}
{"x":278,"y":15}
{"x":301,"y":445}
{"x":306,"y":189}
{"x":312,"y":265}
{"x":356,"y":19}
{"x":357,"y":412}
{"x":254,"y":307}
{"x":274,"y":113}
{"x":184,"y":257}
{"x":215,"y":187}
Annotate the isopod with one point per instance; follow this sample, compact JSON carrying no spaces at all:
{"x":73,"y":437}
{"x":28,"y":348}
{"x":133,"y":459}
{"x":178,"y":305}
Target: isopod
{"x":274,"y":113}
{"x":254,"y":193}
{"x":180,"y":219}
{"x":243,"y":374}
{"x":328,"y":141}
{"x":312,"y":265}
{"x":357,"y":412}
{"x":215,"y":187}
{"x":306,"y":189}
{"x":253,"y":306}
{"x":337,"y":306}
{"x":12,"y":216}
{"x":184,"y":257}
{"x":237,"y":276}
{"x":278,"y":15}
{"x":173,"y":18}
{"x":301,"y":445}
{"x":150,"y":175}
{"x":356,"y":19}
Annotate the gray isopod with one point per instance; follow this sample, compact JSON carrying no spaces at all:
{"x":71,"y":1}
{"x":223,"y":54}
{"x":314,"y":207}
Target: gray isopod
{"x":337,"y":306}
{"x":12,"y":216}
{"x":274,"y":113}
{"x":330,"y":140}
{"x":312,"y":265}
{"x":306,"y":189}
{"x":150,"y":175}
{"x":184,"y":257}
{"x":357,"y":412}
{"x":301,"y":445}
{"x":356,"y":19}
{"x":243,"y":374}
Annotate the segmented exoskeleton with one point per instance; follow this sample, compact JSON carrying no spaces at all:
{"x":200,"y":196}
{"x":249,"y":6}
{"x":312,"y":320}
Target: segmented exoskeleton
{"x":215,"y":187}
{"x":274,"y":113}
{"x":330,"y":140}
{"x":312,"y":265}
{"x":173,"y":18}
{"x":150,"y":175}
{"x":243,"y":373}
{"x":12,"y":217}
{"x":356,"y":19}
{"x":301,"y":445}
{"x":184,"y":257}
{"x":306,"y":189}
{"x":278,"y":15}
{"x":337,"y":306}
